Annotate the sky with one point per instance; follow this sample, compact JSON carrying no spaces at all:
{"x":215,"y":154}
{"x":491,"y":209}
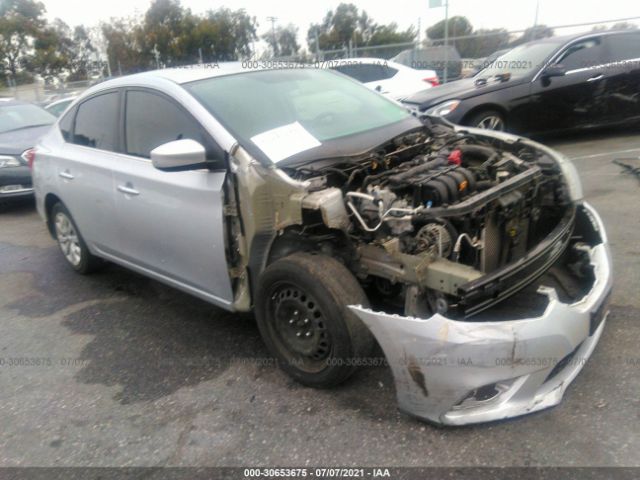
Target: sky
{"x":513,"y":15}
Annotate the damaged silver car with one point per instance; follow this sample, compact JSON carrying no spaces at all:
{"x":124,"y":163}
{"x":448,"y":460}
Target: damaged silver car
{"x":342,"y":220}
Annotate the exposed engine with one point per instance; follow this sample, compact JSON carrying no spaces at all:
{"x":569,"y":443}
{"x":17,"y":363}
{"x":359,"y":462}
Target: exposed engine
{"x":439,"y":212}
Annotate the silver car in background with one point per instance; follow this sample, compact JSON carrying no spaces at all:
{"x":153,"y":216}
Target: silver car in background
{"x":340,"y":219}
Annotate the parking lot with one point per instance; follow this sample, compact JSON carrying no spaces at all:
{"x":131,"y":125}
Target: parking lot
{"x":115,"y":369}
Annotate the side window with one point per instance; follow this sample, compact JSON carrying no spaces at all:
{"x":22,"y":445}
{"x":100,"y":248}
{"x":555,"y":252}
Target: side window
{"x":96,"y":122}
{"x":623,"y":47}
{"x":66,"y":124}
{"x":151,"y":120}
{"x":388,"y":72}
{"x":584,"y":54}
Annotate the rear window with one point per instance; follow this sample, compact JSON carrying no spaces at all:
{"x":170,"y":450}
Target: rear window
{"x":96,"y":122}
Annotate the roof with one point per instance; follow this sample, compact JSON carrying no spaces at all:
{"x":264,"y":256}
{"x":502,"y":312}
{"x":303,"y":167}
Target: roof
{"x":189,"y":73}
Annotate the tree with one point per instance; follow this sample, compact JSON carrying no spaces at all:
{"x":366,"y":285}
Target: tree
{"x":284,"y":42}
{"x":164,"y":25}
{"x":624,"y":26}
{"x":533,"y":33}
{"x":225,"y":35}
{"x":347,"y":25}
{"x":124,"y":52}
{"x":457,"y":27}
{"x":81,"y":55}
{"x":339,"y":27}
{"x":20,"y":22}
{"x":52,"y":51}
{"x":483,"y":43}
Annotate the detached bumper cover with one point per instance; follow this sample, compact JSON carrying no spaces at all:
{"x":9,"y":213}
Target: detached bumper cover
{"x":456,"y":373}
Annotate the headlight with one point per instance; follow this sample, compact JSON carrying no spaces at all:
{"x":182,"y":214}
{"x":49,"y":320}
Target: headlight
{"x":9,"y":162}
{"x":444,"y":108}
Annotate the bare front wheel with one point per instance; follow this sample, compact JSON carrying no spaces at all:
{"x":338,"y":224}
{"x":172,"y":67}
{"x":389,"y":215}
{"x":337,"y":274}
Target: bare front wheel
{"x":70,"y":241}
{"x":303,"y":315}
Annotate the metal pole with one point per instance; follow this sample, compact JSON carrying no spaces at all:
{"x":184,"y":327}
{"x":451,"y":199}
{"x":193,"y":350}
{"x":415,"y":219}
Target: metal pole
{"x":535,"y":21}
{"x":446,"y":40}
{"x":273,"y":33}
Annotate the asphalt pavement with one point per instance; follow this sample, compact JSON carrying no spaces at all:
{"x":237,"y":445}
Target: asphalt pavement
{"x":114,"y":369}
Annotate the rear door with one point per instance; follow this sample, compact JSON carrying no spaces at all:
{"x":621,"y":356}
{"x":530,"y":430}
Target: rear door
{"x":170,"y":223}
{"x":623,"y":72}
{"x":83,"y":167}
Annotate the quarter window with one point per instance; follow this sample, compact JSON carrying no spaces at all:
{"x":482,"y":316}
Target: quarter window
{"x":623,"y":47}
{"x":96,"y":122}
{"x":151,"y":120}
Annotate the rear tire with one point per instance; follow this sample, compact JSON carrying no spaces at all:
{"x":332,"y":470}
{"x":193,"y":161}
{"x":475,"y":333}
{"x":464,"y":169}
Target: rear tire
{"x":71,"y":243}
{"x":302,"y":315}
{"x":489,"y":120}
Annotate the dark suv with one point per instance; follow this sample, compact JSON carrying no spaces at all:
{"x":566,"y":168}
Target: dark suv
{"x":547,"y":85}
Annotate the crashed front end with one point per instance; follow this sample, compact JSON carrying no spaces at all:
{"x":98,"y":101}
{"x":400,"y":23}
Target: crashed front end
{"x":487,"y":273}
{"x":457,"y":372}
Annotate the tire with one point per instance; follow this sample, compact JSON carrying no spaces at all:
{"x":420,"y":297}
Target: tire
{"x":301,"y":311}
{"x":492,"y":119}
{"x":71,"y":243}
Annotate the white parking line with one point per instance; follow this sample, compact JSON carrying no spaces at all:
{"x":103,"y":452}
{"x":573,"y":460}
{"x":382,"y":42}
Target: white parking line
{"x":605,"y":154}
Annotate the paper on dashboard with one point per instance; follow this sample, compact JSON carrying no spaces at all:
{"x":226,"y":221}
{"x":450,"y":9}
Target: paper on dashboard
{"x":283,"y":142}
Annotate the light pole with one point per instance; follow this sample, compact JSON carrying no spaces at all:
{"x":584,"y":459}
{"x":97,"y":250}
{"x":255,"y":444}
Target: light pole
{"x":273,"y":33}
{"x":446,"y":40}
{"x":436,"y":4}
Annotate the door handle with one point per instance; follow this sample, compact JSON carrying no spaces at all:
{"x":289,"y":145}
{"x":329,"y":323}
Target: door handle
{"x":595,"y":78}
{"x":128,"y":189}
{"x":66,"y":175}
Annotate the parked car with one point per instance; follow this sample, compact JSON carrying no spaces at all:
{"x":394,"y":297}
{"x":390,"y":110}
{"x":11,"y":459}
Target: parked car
{"x":483,"y":63}
{"x":386,"y":77}
{"x":554,"y":84}
{"x":21,"y":125}
{"x":59,"y":106}
{"x":339,"y":217}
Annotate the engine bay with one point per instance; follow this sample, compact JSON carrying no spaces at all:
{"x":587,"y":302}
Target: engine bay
{"x":440,"y":220}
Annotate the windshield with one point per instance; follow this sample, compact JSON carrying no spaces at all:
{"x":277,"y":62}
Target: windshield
{"x":15,"y":117}
{"x":520,"y":61}
{"x":312,"y":106}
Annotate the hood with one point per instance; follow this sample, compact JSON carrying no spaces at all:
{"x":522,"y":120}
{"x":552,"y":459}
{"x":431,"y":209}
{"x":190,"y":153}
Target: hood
{"x":17,"y":141}
{"x":459,"y":89}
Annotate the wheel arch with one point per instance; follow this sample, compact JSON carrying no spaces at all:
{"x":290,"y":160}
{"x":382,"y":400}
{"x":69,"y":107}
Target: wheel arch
{"x":49,"y":201}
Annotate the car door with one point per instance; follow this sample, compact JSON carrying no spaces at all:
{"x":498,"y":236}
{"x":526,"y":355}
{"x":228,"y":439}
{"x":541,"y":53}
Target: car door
{"x":170,"y":223}
{"x":576,"y":99}
{"x":83,"y":164}
{"x":623,"y":72}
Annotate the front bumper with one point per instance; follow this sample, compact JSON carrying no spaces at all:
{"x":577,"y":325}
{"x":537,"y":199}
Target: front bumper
{"x":455,"y":372}
{"x":15,"y":182}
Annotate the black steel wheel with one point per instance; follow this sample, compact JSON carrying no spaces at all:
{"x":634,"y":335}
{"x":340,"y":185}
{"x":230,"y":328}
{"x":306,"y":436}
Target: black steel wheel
{"x":302,"y":313}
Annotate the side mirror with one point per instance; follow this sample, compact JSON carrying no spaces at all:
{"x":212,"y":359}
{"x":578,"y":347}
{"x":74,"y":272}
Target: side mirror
{"x":179,"y":155}
{"x":556,"y":70}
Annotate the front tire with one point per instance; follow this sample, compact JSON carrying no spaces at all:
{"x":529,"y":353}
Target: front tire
{"x":302,"y":314}
{"x":488,"y":120}
{"x":71,"y":243}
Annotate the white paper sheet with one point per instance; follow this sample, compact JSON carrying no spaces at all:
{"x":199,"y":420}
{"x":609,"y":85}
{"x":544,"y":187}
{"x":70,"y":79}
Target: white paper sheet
{"x":282,"y":142}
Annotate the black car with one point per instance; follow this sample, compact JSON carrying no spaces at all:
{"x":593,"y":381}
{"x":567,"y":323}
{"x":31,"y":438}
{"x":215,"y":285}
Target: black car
{"x":547,"y":85}
{"x":21,"y":125}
